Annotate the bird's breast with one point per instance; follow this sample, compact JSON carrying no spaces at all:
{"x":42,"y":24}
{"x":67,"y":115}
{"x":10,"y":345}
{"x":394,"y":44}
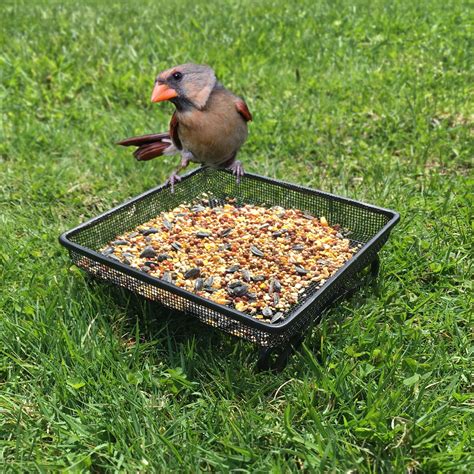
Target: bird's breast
{"x":212,"y":137}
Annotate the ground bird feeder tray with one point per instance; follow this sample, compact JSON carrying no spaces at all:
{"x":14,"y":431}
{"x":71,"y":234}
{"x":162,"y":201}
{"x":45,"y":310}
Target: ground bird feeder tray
{"x":277,"y":324}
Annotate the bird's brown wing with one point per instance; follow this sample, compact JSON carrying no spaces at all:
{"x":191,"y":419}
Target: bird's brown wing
{"x":243,"y":110}
{"x":174,"y":125}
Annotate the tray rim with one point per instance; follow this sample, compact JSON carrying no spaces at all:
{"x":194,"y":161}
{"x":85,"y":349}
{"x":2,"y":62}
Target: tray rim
{"x":274,"y":329}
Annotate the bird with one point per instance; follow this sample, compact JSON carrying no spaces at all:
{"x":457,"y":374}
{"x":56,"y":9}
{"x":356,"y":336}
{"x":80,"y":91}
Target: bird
{"x":208,"y":126}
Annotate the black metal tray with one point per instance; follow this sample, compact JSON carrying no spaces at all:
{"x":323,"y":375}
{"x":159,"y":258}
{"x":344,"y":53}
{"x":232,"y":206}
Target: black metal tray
{"x":369,"y":226}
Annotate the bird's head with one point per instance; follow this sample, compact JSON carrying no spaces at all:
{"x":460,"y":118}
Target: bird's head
{"x":185,"y":85}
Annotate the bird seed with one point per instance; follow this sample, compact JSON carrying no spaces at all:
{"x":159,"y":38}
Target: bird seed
{"x":260,"y":261}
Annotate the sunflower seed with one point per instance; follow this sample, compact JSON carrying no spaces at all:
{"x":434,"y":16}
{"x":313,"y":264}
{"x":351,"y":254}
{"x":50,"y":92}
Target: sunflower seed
{"x":232,"y":269}
{"x":192,"y":273}
{"x":198,"y":285}
{"x":276,"y":298}
{"x":120,"y":242}
{"x":225,"y":232}
{"x":202,"y":234}
{"x":145,"y":269}
{"x":258,"y":278}
{"x":235,"y":284}
{"x":198,"y":208}
{"x":246,"y":275}
{"x":167,"y":224}
{"x":176,"y":246}
{"x":308,"y":216}
{"x":148,"y":252}
{"x":213,"y":202}
{"x":132,"y":235}
{"x":167,"y":277}
{"x":277,"y":317}
{"x":275,"y":286}
{"x":149,"y":231}
{"x":209,"y":281}
{"x":108,"y":251}
{"x":267,"y":312}
{"x":300,"y":270}
{"x":252,"y":296}
{"x":298,"y":247}
{"x":239,"y":290}
{"x":162,"y":257}
{"x":256,"y":251}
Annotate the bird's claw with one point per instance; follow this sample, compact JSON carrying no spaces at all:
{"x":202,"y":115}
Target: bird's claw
{"x":237,"y":170}
{"x":172,"y":180}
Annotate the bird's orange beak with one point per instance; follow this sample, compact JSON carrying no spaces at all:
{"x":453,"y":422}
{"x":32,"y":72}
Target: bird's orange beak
{"x":162,"y":92}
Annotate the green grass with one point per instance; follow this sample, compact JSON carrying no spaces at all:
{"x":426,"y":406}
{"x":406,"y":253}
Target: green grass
{"x":371,"y":100}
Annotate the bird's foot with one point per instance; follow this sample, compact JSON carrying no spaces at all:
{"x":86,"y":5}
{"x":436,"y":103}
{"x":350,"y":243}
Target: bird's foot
{"x":185,"y":159}
{"x":173,"y":179}
{"x":237,"y":169}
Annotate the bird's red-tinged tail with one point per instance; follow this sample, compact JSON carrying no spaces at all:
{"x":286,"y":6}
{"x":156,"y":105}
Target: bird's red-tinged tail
{"x":150,"y":146}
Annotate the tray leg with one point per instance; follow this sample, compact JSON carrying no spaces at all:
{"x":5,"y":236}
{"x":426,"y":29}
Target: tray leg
{"x":375,"y":267}
{"x":264,"y":359}
{"x":275,"y":359}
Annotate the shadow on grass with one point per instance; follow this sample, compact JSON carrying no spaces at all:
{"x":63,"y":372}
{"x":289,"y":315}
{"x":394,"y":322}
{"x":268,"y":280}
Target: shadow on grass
{"x":179,"y":339}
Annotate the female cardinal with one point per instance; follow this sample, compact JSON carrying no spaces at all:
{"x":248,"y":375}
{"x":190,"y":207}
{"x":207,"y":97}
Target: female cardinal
{"x":208,"y":126}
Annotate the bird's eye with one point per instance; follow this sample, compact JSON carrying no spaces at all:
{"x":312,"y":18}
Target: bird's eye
{"x":177,"y":76}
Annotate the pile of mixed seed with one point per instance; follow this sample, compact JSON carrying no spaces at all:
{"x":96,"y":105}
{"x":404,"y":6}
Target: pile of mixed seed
{"x":258,"y":260}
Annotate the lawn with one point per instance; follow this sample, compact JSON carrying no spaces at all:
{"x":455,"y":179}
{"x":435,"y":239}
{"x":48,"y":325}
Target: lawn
{"x":370,"y":100}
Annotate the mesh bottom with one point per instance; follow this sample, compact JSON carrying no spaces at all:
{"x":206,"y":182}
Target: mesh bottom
{"x":362,"y":221}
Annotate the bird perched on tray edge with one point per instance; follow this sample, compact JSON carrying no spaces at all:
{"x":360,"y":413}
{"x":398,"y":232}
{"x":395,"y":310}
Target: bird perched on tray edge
{"x":208,"y":126}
